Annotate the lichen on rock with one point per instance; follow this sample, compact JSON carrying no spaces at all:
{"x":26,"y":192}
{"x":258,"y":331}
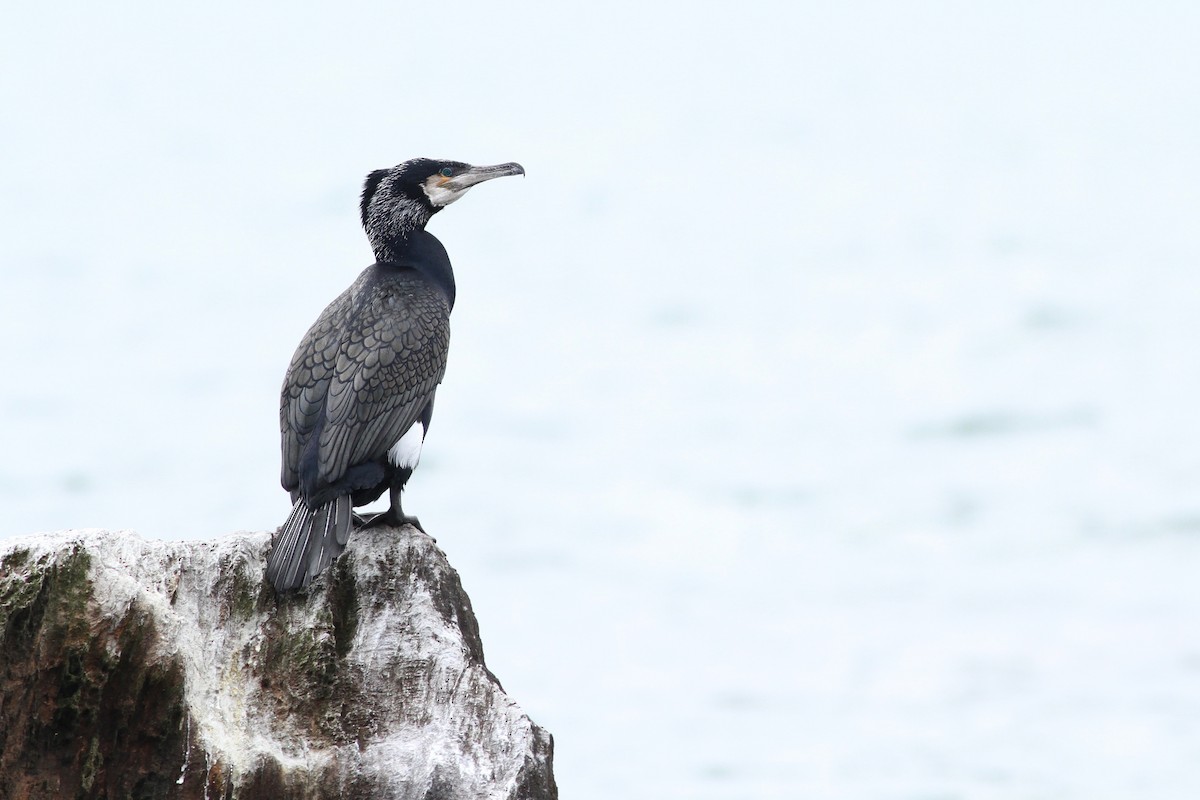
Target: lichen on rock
{"x":131,"y":668}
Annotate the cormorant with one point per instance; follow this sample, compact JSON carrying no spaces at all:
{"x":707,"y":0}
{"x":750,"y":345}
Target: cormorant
{"x":358,"y":396}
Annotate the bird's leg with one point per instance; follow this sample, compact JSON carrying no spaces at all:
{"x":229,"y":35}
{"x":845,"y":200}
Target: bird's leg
{"x":394,"y":515}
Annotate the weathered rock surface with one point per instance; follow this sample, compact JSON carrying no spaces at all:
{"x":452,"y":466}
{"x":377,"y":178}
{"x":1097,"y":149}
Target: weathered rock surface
{"x":142,"y":669}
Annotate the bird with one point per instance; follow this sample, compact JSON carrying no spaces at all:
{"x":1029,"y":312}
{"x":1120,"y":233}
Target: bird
{"x":357,"y":398}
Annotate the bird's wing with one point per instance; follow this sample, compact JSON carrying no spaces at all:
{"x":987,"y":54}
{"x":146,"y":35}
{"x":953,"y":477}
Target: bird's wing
{"x":306,"y":383}
{"x":388,"y":360}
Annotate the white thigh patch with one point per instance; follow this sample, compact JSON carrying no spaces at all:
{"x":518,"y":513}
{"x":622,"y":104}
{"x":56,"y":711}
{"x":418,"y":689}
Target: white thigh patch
{"x":406,"y":452}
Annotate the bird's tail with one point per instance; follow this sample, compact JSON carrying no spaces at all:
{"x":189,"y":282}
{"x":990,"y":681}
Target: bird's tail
{"x":307,"y":543}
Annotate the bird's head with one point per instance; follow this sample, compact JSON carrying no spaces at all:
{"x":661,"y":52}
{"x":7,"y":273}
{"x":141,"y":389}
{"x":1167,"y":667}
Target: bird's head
{"x":402,"y":199}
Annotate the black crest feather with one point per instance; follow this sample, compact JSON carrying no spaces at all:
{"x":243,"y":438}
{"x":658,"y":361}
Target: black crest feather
{"x":370,"y":186}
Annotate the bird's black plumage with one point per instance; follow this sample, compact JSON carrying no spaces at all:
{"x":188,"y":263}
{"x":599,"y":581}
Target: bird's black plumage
{"x":365,"y":374}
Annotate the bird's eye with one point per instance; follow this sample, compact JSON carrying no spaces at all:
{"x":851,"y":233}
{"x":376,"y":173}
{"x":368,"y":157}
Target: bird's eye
{"x":446,"y":172}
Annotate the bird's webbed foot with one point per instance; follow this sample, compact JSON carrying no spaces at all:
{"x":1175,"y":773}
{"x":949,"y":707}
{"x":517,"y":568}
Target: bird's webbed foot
{"x":394,"y":516}
{"x":391,"y":519}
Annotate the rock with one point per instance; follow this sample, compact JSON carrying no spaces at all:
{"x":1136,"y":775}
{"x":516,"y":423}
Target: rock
{"x":144,"y":669}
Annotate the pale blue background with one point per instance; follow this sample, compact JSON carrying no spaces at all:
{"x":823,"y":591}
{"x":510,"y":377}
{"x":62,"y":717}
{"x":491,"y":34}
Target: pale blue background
{"x":821,"y":413}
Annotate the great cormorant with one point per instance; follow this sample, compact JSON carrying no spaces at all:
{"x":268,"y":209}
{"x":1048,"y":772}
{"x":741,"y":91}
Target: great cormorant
{"x":358,"y":396}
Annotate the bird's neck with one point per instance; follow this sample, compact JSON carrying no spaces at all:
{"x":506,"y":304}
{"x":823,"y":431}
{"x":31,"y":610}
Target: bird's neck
{"x":421,"y":250}
{"x":391,"y":234}
{"x":394,"y":249}
{"x":394,"y":243}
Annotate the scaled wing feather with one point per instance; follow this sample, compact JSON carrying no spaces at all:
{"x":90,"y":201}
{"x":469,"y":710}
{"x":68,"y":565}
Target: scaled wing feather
{"x":390,"y":357}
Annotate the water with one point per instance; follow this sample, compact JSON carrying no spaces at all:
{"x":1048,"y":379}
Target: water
{"x":819,"y":419}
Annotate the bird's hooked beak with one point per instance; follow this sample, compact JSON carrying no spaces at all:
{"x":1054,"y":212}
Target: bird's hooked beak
{"x":443,"y":189}
{"x":469,"y":177}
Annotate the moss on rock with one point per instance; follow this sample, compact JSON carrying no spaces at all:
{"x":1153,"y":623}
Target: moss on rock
{"x":152,"y":670}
